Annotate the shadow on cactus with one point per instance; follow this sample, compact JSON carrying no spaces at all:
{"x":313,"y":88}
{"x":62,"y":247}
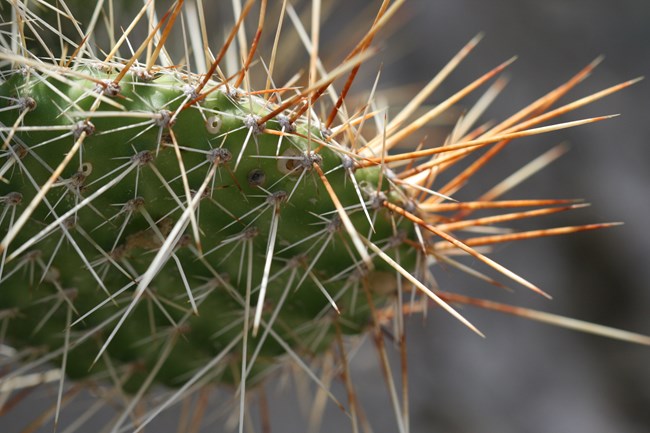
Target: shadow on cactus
{"x":168,"y":227}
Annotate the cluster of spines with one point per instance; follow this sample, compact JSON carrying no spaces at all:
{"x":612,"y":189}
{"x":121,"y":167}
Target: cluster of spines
{"x":367,"y":170}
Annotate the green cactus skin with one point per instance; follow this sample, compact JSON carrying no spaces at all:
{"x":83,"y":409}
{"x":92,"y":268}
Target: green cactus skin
{"x":258,"y":178}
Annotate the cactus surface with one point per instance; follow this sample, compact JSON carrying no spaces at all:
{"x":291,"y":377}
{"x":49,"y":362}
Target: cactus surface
{"x":166,"y":227}
{"x":260,"y":209}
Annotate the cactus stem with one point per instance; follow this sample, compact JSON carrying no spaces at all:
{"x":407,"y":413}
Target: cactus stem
{"x":127,"y":167}
{"x":162,"y":256}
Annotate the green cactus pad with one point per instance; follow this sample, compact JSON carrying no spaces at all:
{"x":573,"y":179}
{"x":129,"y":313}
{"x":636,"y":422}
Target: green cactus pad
{"x":97,"y":231}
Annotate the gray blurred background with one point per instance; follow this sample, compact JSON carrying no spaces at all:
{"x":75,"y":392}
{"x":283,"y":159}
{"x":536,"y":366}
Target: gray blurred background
{"x":529,"y":377}
{"x":525,"y":377}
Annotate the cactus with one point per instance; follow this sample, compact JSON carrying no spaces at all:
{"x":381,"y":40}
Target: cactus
{"x":168,"y":227}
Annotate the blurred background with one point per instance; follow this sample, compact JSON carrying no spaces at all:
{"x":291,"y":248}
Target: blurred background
{"x":529,"y":377}
{"x":525,"y":376}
